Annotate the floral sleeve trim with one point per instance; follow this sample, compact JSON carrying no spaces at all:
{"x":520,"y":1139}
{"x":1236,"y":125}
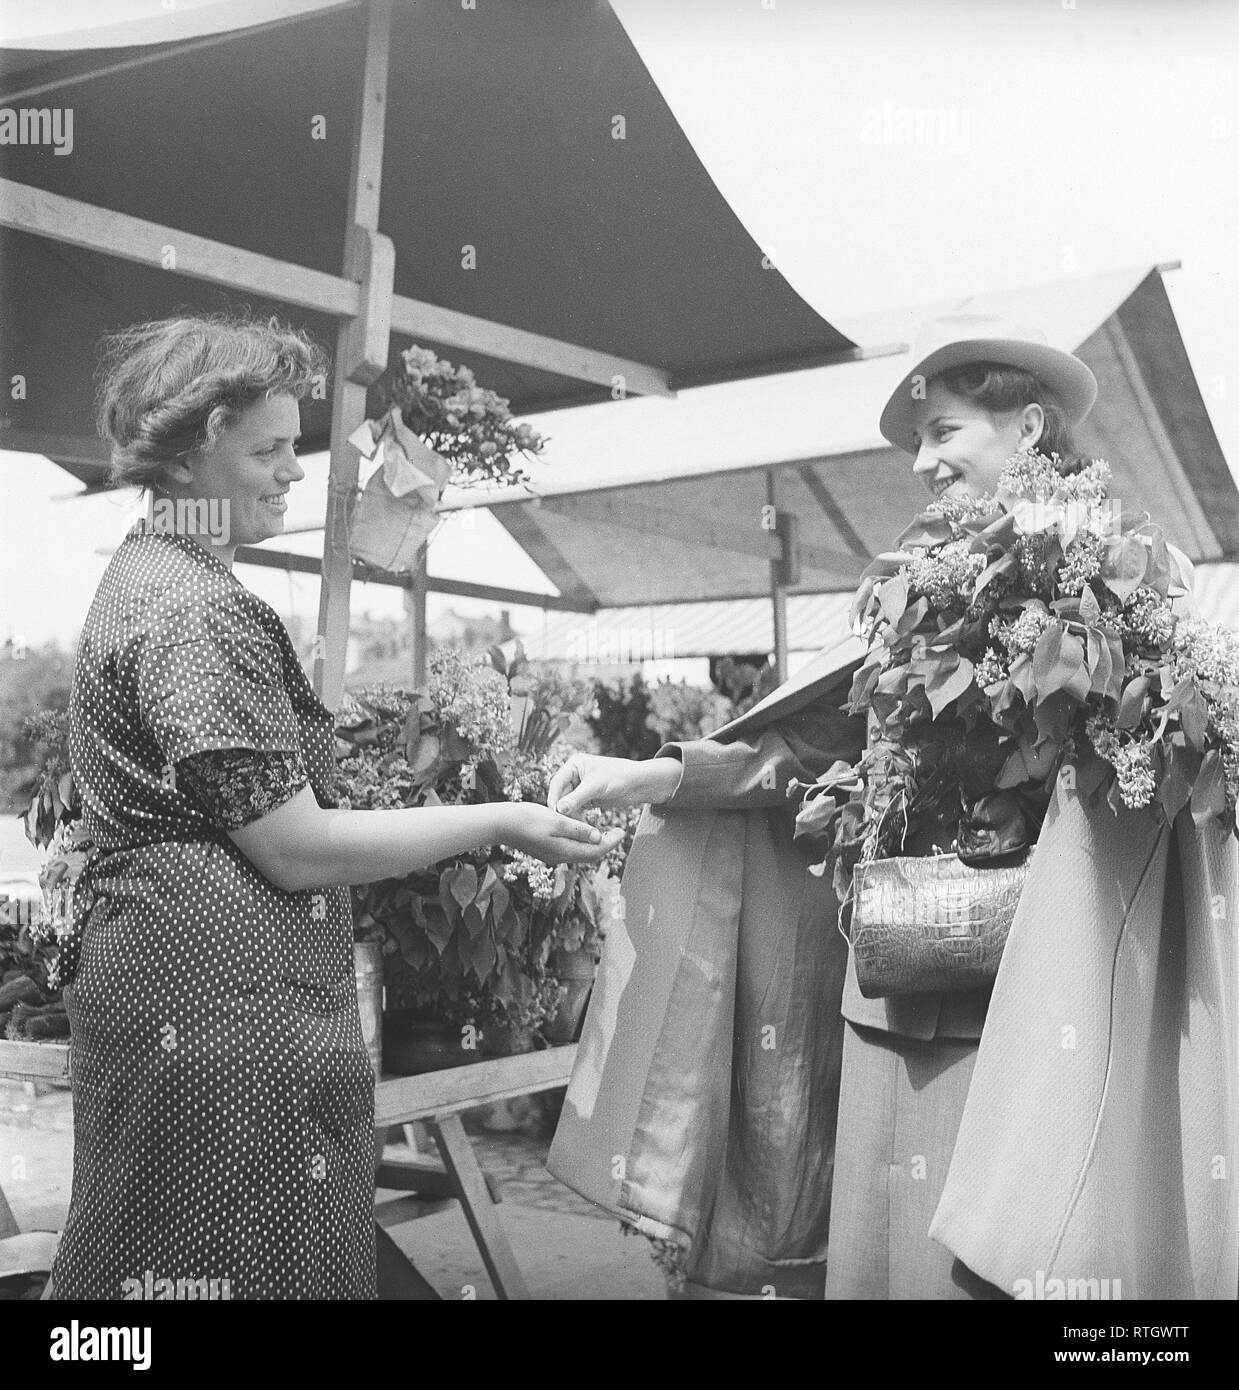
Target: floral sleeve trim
{"x":240,"y":785}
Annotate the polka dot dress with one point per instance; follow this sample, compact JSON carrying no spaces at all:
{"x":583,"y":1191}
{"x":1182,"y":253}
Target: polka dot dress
{"x":223,"y":1100}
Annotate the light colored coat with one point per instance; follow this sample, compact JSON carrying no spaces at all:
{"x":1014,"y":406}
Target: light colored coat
{"x":704,"y":1102}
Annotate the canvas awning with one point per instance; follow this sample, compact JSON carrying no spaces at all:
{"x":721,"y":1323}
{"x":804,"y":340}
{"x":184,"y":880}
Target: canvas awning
{"x":597,"y":257}
{"x":671,"y":509}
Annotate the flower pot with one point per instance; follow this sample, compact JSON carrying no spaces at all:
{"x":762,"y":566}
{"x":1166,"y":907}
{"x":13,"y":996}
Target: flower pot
{"x":368,"y":968}
{"x":412,"y":1046}
{"x":575,"y":970}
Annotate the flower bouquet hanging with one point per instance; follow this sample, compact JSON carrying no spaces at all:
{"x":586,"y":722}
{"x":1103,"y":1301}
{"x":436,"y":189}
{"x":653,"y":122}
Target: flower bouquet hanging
{"x":1012,"y":636}
{"x":437,"y":426}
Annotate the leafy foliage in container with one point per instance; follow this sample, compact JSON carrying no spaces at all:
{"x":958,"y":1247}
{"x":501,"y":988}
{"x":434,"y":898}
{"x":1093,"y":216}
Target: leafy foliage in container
{"x":472,"y":933}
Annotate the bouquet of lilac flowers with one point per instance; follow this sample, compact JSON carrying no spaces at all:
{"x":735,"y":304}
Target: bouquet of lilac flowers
{"x":1011,"y":636}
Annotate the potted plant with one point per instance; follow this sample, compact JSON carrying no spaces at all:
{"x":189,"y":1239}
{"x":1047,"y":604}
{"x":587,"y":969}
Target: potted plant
{"x":468,"y":940}
{"x":31,"y":942}
{"x":437,"y":425}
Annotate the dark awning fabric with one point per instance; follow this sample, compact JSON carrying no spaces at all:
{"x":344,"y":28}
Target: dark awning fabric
{"x":499,"y":136}
{"x":670,"y":488}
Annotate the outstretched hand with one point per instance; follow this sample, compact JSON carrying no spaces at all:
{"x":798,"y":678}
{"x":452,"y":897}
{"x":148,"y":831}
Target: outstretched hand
{"x":587,"y":780}
{"x":555,"y":838}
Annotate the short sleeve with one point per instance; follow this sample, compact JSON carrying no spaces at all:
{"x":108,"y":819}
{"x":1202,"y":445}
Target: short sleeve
{"x":210,"y":677}
{"x":237,"y":787}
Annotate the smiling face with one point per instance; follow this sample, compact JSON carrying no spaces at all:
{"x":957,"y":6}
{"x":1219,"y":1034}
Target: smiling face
{"x":246,"y":477}
{"x":962,"y":448}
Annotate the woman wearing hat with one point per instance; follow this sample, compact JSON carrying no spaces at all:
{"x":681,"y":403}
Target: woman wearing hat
{"x":981,"y":391}
{"x":722,"y":888}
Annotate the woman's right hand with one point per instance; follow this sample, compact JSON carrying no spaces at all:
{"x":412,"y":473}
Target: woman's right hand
{"x":587,"y":779}
{"x":551,"y":837}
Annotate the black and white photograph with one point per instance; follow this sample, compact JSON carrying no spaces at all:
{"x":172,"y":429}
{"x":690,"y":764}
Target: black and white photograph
{"x":619,"y":667}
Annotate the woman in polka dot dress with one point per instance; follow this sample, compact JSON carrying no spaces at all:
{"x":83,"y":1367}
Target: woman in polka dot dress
{"x":223,"y":1100}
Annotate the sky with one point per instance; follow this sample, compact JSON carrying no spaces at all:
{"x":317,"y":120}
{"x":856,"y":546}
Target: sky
{"x":1058,"y":139}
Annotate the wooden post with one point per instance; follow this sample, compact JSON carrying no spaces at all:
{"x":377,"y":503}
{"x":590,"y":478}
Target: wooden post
{"x":415,"y":607}
{"x":348,"y":402}
{"x":778,"y":590}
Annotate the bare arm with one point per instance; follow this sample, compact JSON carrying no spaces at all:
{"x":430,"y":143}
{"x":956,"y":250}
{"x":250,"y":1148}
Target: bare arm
{"x":302,"y":845}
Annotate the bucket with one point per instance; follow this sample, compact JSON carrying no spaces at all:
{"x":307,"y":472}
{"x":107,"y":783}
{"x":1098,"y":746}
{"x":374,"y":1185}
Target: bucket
{"x":368,"y":967}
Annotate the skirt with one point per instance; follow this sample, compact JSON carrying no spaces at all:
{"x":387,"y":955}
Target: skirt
{"x":900,"y":1106}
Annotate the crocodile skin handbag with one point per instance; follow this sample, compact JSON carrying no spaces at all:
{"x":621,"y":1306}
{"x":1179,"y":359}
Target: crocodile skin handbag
{"x":922,"y":924}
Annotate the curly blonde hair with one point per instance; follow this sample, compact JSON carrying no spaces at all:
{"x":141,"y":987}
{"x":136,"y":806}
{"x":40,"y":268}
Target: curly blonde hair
{"x":168,"y":389}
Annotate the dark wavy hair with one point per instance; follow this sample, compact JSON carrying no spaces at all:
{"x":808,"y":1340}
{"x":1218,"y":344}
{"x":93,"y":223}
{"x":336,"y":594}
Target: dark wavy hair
{"x":1003,"y":390}
{"x":170,"y":388}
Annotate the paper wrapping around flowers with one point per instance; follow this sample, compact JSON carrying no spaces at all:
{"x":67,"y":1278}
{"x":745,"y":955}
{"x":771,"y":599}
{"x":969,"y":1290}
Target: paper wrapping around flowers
{"x":397,"y":509}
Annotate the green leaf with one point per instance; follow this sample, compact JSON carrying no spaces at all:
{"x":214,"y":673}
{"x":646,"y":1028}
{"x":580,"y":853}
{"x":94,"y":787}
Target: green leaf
{"x":1124,"y":566}
{"x":1003,"y":565}
{"x":911,"y":618}
{"x":948,"y":683}
{"x":483,"y":957}
{"x":1090,"y":608}
{"x":426,"y":755}
{"x":1194,"y":716}
{"x":1131,"y":703}
{"x":815,"y":816}
{"x":893,"y":598}
{"x":862,"y":686}
{"x":463,"y":883}
{"x":928,"y":529}
{"x":1209,"y":793}
{"x":473,"y":921}
{"x":437,"y":926}
{"x":1058,"y":664}
{"x":1098,"y":662}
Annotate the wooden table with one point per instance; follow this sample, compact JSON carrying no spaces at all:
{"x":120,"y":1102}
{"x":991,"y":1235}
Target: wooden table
{"x":436,"y":1098}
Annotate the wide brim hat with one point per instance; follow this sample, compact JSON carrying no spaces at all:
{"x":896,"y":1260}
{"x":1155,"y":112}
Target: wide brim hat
{"x":958,"y":340}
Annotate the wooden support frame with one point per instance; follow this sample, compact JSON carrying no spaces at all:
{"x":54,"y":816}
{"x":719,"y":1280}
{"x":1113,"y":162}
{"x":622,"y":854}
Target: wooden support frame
{"x":692,"y":530}
{"x":439,"y":1097}
{"x":779,"y":571}
{"x":25,"y":208}
{"x":461,"y":588}
{"x":359,"y":341}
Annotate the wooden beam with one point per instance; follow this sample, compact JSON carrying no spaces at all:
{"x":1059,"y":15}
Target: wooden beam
{"x":28,"y":209}
{"x":521,"y":523}
{"x":422,"y":321}
{"x":406,"y":1098}
{"x":29,"y":1059}
{"x":372,"y":262}
{"x":778,"y":590}
{"x":366,"y":574}
{"x":354,"y":340}
{"x":415,"y":603}
{"x":470,"y":1183}
{"x":690,"y":529}
{"x":798,"y":362}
